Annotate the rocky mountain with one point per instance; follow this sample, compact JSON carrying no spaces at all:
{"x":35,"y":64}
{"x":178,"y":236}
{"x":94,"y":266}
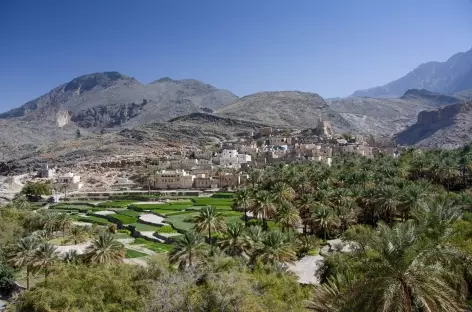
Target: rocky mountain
{"x":294,"y":109}
{"x":113,"y":99}
{"x":449,"y":77}
{"x":386,"y":116}
{"x":446,"y":127}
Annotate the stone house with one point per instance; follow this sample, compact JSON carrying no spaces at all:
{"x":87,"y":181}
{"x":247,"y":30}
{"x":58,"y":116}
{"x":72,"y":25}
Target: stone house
{"x":174,"y":179}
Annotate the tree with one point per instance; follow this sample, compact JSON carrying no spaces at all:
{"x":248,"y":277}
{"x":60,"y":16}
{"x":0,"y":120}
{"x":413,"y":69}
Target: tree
{"x":388,"y":200}
{"x":72,"y":257}
{"x":233,"y":241}
{"x":78,"y":234}
{"x":242,"y":201}
{"x":288,"y":216}
{"x":64,"y":222}
{"x":263,"y":206}
{"x":44,"y":257}
{"x":407,"y":274}
{"x":274,"y":249}
{"x":22,"y":255}
{"x":324,"y":218}
{"x":104,"y":249}
{"x":188,"y":250}
{"x":20,"y":201}
{"x":36,"y":190}
{"x":7,"y":279}
{"x":209,"y":220}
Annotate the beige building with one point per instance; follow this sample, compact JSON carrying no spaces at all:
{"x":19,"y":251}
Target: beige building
{"x":205,"y":182}
{"x":203,"y":155}
{"x":174,"y":179}
{"x":280,"y":141}
{"x":265,"y":131}
{"x":70,"y":181}
{"x":229,"y":180}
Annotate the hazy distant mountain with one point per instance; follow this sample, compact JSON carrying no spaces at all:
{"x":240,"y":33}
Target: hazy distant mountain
{"x":448,"y":77}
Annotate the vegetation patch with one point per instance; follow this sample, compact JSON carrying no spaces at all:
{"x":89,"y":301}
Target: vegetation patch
{"x":154,"y":246}
{"x":116,"y":204}
{"x":166,"y":229}
{"x":205,"y":201}
{"x":169,"y":206}
{"x":131,"y":254}
{"x":141,"y":227}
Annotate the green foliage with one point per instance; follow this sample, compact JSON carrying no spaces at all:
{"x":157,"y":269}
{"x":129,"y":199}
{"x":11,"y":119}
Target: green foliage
{"x":131,"y":254}
{"x":154,"y":246}
{"x":166,"y":229}
{"x":144,"y":227}
{"x":128,"y":212}
{"x":88,"y":289}
{"x":223,"y":195}
{"x":205,"y":201}
{"x":95,"y":220}
{"x":36,"y":189}
{"x":121,"y":219}
{"x":169,"y":206}
{"x":7,"y":281}
{"x":115,"y":204}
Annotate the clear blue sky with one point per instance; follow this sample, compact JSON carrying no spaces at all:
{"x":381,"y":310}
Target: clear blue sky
{"x":331,"y":47}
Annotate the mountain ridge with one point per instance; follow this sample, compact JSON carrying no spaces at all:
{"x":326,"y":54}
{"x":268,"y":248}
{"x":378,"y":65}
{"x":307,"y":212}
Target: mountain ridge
{"x":448,"y":77}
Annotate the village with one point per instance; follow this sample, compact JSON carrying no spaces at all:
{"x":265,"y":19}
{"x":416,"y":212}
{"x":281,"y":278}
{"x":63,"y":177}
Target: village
{"x":221,"y":167}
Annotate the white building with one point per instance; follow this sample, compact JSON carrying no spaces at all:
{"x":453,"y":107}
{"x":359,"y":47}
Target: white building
{"x":70,"y":180}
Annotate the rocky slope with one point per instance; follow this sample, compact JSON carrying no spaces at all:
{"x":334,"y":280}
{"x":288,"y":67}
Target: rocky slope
{"x":384,"y":116}
{"x":446,"y":127}
{"x":111,"y":99}
{"x":451,"y":76}
{"x":294,"y":109}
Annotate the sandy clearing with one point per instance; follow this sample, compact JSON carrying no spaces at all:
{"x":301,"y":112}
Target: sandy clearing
{"x":306,"y":269}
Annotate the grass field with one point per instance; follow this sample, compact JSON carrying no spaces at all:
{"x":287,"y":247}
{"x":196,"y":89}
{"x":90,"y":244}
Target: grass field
{"x":130,"y":254}
{"x":204,"y":201}
{"x":128,"y":212}
{"x":96,"y":220}
{"x":156,"y":247}
{"x":144,"y":227}
{"x":116,"y":204}
{"x":170,"y":206}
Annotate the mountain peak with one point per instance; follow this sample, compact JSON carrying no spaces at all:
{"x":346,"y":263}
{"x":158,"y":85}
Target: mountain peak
{"x":90,"y":81}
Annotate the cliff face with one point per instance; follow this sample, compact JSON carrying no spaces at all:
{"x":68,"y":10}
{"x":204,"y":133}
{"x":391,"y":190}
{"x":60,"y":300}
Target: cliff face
{"x":449,"y":127}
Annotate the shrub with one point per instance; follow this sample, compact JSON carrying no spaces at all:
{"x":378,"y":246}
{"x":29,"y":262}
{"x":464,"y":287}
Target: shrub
{"x":112,"y":228}
{"x":7,"y":281}
{"x":166,"y":229}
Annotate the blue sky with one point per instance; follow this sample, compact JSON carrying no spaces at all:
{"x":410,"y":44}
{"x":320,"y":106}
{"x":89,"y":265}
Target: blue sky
{"x":329,"y":47}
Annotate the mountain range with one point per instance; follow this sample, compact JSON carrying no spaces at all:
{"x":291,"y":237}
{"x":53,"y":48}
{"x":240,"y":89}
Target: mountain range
{"x":449,"y":77}
{"x":423,"y":108}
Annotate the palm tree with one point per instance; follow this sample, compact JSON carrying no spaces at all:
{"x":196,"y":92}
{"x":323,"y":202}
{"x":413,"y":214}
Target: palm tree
{"x":388,"y":200}
{"x":263,"y":206}
{"x":412,"y":198}
{"x":274,"y":249}
{"x":50,"y":223}
{"x":346,"y":214}
{"x":78,"y":234}
{"x":64,"y":222}
{"x":253,"y":237}
{"x":72,"y":257}
{"x":44,"y":257}
{"x":22,"y":255}
{"x":404,"y":275}
{"x":242,"y":201}
{"x":104,"y":249}
{"x":282,"y":192}
{"x":209,"y":220}
{"x":324,"y":218}
{"x":188,"y":250}
{"x":287,"y":216}
{"x":233,"y":242}
{"x":20,"y":201}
